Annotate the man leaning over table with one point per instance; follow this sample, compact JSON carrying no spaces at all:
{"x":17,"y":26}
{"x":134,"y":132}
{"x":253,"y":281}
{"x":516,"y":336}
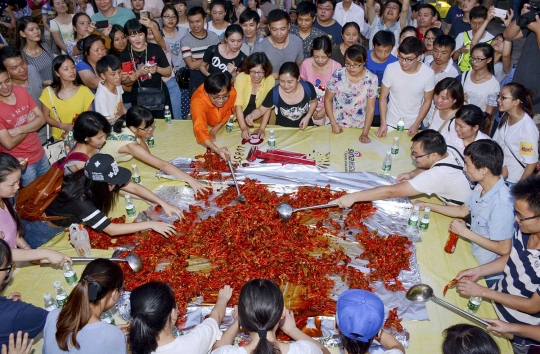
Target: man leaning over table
{"x":439,"y":171}
{"x":211,"y":105}
{"x":516,"y":296}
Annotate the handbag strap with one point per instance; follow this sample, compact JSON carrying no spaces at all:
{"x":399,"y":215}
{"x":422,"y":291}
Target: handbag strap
{"x":52,"y":105}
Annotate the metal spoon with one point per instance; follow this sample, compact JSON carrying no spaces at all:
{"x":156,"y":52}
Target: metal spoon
{"x":424,"y":292}
{"x":240,"y":197}
{"x":131,"y":258}
{"x":285,"y":210}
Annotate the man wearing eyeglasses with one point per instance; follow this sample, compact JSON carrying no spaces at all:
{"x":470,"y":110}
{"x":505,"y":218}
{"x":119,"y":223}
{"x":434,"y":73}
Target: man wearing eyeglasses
{"x":211,"y":105}
{"x":438,"y":171}
{"x":516,"y":296}
{"x":325,"y":20}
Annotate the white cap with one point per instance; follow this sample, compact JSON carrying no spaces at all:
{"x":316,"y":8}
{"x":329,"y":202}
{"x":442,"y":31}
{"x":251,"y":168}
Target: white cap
{"x":47,"y":296}
{"x":166,"y":106}
{"x":271,"y":130}
{"x":57,"y":284}
{"x":388,"y":152}
{"x":417,"y":207}
{"x":396,"y":138}
{"x":127,"y":195}
{"x":427,"y":209}
{"x":133,"y":165}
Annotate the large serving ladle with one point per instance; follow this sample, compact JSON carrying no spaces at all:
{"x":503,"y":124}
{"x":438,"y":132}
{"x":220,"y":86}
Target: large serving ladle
{"x":424,"y":292}
{"x":285,"y":210}
{"x":131,"y":258}
{"x":240,"y":197}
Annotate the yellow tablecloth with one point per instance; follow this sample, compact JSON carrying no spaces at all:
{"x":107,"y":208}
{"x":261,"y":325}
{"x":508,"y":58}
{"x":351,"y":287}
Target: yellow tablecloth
{"x":333,"y":151}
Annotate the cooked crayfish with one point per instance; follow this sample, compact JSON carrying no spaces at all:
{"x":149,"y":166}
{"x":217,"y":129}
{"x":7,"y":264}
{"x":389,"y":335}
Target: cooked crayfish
{"x":452,"y":283}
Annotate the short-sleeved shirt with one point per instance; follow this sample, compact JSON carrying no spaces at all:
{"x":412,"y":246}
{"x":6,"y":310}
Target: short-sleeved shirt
{"x":34,"y":88}
{"x":195,"y":47}
{"x":198,"y":341}
{"x":452,"y":14}
{"x":451,"y":70}
{"x":108,"y":103}
{"x":69,"y":47}
{"x":378,"y":25}
{"x":481,"y":95}
{"x":492,"y":216}
{"x":82,"y":66}
{"x":354,"y":14}
{"x":153,"y":54}
{"x":350,"y":100}
{"x":77,"y":211}
{"x":448,"y":183}
{"x":42,"y":62}
{"x":47,"y":11}
{"x":458,"y":26}
{"x":175,"y":47}
{"x":20,"y":316}
{"x":12,"y":116}
{"x":333,"y":31}
{"x":292,"y":52}
{"x":318,"y":81}
{"x":9,"y":227}
{"x":406,"y":92}
{"x":120,"y":18}
{"x":519,"y":142}
{"x":218,"y":64}
{"x":290,"y":115}
{"x":298,"y":347}
{"x":111,"y":339}
{"x":454,"y":140}
{"x":378,"y":69}
{"x":307,"y":43}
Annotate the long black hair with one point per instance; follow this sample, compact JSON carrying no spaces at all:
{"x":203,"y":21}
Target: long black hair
{"x":151,"y":307}
{"x":134,"y":117}
{"x":115,"y":28}
{"x":21,"y":25}
{"x":488,"y":52}
{"x":468,"y":339}
{"x":56,"y":64}
{"x":87,"y":45}
{"x":260,"y":307}
{"x":8,"y":165}
{"x":88,"y":124}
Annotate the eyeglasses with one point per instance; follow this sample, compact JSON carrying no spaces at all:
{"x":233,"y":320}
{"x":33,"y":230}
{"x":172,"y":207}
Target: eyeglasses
{"x":416,"y":157}
{"x":220,"y":98}
{"x":8,"y":269}
{"x":429,"y":39}
{"x":406,"y":60}
{"x":256,"y":73}
{"x":147,"y":128}
{"x":520,"y":218}
{"x":475,"y":59}
{"x":502,"y":98}
{"x":170,"y":17}
{"x":353,"y":66}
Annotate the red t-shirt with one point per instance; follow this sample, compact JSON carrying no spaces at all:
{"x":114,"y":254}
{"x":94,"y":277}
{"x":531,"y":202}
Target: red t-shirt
{"x":12,"y":116}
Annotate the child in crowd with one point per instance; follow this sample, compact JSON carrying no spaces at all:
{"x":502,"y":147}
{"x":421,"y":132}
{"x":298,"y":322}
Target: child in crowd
{"x":293,"y":14}
{"x":108,"y":100}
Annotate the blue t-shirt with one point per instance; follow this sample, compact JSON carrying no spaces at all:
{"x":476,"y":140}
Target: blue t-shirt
{"x":458,"y":26}
{"x":378,"y":69}
{"x":20,"y":316}
{"x":333,"y":31}
{"x":81,"y":66}
{"x":454,"y":13}
{"x":120,"y":18}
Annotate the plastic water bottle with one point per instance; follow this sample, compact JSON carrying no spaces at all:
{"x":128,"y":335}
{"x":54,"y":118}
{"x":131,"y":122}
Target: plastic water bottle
{"x":230,"y":124}
{"x":413,"y":219}
{"x":168,"y":115}
{"x":401,"y":125}
{"x":424,"y":223}
{"x":108,"y":317}
{"x":150,"y":142}
{"x":135,"y":175}
{"x":387,"y":164}
{"x":69,"y":274}
{"x":50,"y":303}
{"x":272,"y":139}
{"x":474,"y":304}
{"x":130,"y":208}
{"x":60,"y":294}
{"x":395,"y":147}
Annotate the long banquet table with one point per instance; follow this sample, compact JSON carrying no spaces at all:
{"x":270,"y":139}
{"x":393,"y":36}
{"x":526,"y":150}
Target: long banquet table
{"x":340,"y":153}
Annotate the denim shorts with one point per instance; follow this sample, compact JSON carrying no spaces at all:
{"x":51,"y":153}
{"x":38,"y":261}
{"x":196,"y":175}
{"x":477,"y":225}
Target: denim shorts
{"x":37,"y":233}
{"x":35,"y":170}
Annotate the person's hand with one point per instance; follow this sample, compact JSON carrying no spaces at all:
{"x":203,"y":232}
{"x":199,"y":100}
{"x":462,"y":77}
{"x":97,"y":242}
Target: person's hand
{"x":383,"y":129}
{"x":364,"y":138}
{"x":14,"y":297}
{"x":249,"y":120}
{"x":92,"y":27}
{"x":466,"y":97}
{"x":499,"y":327}
{"x":469,"y":288}
{"x":304,"y":123}
{"x":124,"y":328}
{"x":225,"y":293}
{"x":345,"y":201}
{"x":337,"y":129}
{"x":246,"y":134}
{"x":319,"y":114}
{"x":133,"y":76}
{"x":526,"y":8}
{"x":287,"y":323}
{"x":234,"y":313}
{"x":231,"y":68}
{"x":224,"y":153}
{"x":152,"y":69}
{"x":491,"y":13}
{"x":19,"y":345}
{"x":7,"y":25}
{"x":170,"y":210}
{"x":14,"y":131}
{"x":458,"y":227}
{"x":437,"y":24}
{"x":198,"y":187}
{"x":107,"y":30}
{"x":162,"y":228}
{"x":422,"y":205}
{"x":146,"y":22}
{"x":402,"y":177}
{"x":472,"y":274}
{"x":57,"y":258}
{"x":413,"y":130}
{"x":508,"y":18}
{"x":259,"y":132}
{"x":23,"y":162}
{"x":66,"y":127}
{"x":534,"y":26}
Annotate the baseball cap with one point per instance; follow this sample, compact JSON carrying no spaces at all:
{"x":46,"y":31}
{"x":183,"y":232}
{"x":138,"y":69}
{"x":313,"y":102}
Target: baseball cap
{"x":103,"y":168}
{"x":360,"y":314}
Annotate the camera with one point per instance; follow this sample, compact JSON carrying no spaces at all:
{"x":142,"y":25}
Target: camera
{"x":524,"y":20}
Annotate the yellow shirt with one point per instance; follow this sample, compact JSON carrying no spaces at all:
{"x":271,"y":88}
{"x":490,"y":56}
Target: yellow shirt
{"x":68,"y":109}
{"x":242,"y":84}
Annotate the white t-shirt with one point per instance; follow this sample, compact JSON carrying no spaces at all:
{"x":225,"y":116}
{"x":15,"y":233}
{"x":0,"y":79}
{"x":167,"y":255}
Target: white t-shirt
{"x":499,"y":71}
{"x":106,"y":102}
{"x":199,"y":341}
{"x":453,"y":139}
{"x":219,"y":32}
{"x":483,"y":94}
{"x":518,"y":141}
{"x":299,"y":347}
{"x":447,"y":183}
{"x":406,"y":92}
{"x":437,"y":122}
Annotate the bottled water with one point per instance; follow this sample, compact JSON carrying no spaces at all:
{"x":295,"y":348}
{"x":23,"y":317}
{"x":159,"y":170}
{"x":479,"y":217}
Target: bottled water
{"x":395,"y":147}
{"x":413,"y":219}
{"x":108,"y":317}
{"x":474,"y":304}
{"x":50,"y":303}
{"x":272,"y":139}
{"x":230,"y":124}
{"x":150,"y":142}
{"x":135,"y":175}
{"x":60,"y":294}
{"x":424,"y":223}
{"x":168,"y":115}
{"x":130,"y":208}
{"x":69,"y":274}
{"x":387,"y":164}
{"x":400,"y":125}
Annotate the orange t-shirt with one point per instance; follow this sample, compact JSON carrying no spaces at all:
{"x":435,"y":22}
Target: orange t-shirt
{"x":204,"y":113}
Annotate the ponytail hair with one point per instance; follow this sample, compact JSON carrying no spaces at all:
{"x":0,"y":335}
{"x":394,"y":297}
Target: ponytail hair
{"x":525,"y":97}
{"x":151,"y":307}
{"x":135,"y":117}
{"x":100,"y":278}
{"x":260,"y":307}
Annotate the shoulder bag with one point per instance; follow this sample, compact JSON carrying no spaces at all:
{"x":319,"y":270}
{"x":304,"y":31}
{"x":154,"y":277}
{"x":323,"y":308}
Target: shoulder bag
{"x":55,"y":150}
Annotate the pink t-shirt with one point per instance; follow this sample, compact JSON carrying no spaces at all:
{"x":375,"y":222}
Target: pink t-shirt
{"x":12,"y":116}
{"x":319,"y":81}
{"x":8,"y":228}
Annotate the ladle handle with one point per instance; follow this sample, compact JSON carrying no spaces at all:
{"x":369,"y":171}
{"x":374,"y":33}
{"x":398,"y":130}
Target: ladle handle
{"x":233,"y":176}
{"x":45,"y":262}
{"x":463,"y":312}
{"x":320,"y":206}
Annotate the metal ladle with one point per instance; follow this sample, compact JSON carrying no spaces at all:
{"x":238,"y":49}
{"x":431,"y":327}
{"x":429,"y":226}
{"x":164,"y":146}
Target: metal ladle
{"x":424,"y":292}
{"x":131,"y":258}
{"x":285,"y":210}
{"x":240,"y":197}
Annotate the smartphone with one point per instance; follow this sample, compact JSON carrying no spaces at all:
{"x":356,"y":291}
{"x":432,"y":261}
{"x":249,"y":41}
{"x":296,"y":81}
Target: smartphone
{"x":102,"y":24}
{"x":127,"y":67}
{"x":144,"y":13}
{"x":501,"y":13}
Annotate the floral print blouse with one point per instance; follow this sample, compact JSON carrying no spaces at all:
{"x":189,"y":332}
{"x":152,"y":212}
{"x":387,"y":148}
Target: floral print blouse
{"x":350,"y":100}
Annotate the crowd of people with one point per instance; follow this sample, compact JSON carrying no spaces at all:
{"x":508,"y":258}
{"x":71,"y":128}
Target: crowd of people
{"x":95,"y":75}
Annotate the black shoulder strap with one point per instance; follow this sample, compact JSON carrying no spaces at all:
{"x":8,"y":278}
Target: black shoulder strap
{"x":448,"y":165}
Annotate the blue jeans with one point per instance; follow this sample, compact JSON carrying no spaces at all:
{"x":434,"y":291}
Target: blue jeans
{"x":176,"y":100}
{"x":36,"y":233}
{"x":33,"y":171}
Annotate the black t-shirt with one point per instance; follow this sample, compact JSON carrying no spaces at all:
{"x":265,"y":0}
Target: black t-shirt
{"x":527,"y":72}
{"x":290,"y":115}
{"x":152,"y":54}
{"x":217,"y":63}
{"x":458,"y":26}
{"x":251,"y":105}
{"x":17,"y":4}
{"x":77,"y":212}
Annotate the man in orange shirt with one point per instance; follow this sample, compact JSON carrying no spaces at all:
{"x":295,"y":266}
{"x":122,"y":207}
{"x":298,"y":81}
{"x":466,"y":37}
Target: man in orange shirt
{"x":211,"y":105}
